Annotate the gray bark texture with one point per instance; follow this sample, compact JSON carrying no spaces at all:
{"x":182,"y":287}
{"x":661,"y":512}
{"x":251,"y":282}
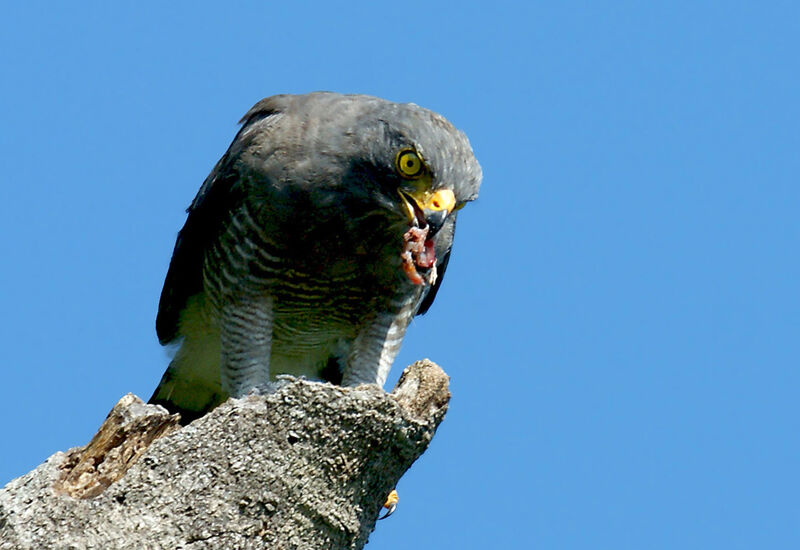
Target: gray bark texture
{"x":307,"y":466}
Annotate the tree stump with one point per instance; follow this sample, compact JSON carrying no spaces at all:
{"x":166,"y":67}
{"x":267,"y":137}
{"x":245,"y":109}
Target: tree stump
{"x":307,"y":466}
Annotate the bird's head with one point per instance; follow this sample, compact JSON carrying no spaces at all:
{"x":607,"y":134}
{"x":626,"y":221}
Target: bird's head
{"x":373,"y":158}
{"x":421,"y":170}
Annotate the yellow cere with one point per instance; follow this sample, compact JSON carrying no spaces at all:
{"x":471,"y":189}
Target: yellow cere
{"x":443,"y":199}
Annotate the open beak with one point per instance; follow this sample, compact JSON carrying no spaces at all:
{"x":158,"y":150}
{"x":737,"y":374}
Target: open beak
{"x":426,"y":208}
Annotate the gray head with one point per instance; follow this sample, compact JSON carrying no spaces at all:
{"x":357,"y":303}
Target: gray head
{"x":401,"y":158}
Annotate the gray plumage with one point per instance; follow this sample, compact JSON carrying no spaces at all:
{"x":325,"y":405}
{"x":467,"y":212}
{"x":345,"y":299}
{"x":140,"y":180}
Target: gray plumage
{"x":291,"y":258}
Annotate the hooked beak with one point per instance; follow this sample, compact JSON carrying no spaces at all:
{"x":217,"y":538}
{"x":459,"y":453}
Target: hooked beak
{"x":426,"y":208}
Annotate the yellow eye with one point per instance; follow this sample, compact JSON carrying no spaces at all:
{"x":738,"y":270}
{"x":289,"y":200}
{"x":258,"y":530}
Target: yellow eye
{"x":408,"y":164}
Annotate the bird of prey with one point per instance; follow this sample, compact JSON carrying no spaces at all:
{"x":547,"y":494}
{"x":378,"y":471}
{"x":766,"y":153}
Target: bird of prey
{"x":320,"y":233}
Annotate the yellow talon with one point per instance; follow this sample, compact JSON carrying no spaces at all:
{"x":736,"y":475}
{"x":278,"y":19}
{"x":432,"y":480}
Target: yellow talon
{"x":390,"y":504}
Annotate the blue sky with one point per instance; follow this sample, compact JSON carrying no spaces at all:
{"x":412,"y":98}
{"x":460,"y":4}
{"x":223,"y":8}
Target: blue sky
{"x":620,"y":318}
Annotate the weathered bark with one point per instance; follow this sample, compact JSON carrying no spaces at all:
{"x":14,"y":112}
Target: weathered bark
{"x":307,"y":466}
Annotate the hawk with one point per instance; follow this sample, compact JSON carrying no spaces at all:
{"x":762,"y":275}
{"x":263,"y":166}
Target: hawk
{"x":320,"y":233}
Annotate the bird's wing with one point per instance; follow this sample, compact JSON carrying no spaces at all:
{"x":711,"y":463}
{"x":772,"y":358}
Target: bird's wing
{"x":185,"y":275}
{"x":217,"y":198}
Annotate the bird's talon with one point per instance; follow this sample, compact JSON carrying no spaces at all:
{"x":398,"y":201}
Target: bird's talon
{"x":390,"y":504}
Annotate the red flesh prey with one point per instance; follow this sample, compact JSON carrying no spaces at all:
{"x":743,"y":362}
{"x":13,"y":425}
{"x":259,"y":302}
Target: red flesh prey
{"x":418,"y":251}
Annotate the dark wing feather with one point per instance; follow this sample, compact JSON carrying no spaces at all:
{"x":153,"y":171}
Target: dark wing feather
{"x":216,"y":199}
{"x":185,"y":275}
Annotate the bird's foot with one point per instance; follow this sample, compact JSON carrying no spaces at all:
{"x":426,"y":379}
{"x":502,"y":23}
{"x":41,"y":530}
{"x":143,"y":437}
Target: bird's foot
{"x":390,"y":504}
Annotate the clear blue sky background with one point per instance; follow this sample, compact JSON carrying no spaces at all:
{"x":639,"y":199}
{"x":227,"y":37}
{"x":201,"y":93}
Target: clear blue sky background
{"x":620,"y":318}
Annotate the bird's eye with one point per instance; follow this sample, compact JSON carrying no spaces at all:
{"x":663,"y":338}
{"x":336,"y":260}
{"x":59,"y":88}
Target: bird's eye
{"x":408,"y":164}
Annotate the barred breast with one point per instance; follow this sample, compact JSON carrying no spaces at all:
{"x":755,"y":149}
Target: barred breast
{"x":323,"y":290}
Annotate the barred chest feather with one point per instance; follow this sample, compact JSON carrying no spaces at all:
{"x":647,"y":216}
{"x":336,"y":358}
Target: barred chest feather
{"x":325,"y":285}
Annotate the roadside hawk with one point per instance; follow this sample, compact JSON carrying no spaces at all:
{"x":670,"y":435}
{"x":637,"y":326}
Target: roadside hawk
{"x":320,"y":233}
